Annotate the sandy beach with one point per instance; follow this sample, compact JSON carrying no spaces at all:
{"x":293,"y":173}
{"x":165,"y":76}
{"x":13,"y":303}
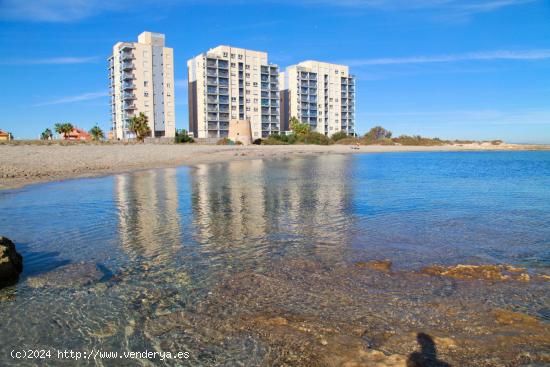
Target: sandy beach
{"x":21,"y":165}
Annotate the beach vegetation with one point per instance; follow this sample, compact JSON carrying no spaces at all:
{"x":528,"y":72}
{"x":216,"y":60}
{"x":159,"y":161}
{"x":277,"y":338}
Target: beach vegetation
{"x":298,"y":128}
{"x":46,"y":134}
{"x":96,"y":133}
{"x":64,"y":129}
{"x":339,"y":136}
{"x":182,"y":136}
{"x":139,"y":125}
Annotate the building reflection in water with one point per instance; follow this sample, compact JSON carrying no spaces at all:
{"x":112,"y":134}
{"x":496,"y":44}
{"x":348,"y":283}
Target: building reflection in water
{"x":255,"y":211}
{"x":149,"y":223}
{"x":242,"y":214}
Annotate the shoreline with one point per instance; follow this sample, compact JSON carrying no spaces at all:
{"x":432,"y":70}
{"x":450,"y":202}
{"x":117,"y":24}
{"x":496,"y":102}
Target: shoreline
{"x":22,"y":165}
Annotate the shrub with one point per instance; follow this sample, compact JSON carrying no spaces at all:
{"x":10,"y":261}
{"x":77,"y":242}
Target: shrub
{"x":339,"y":136}
{"x":376,"y":134}
{"x":257,"y":141}
{"x":225,"y":141}
{"x":183,"y":137}
{"x":314,"y":138}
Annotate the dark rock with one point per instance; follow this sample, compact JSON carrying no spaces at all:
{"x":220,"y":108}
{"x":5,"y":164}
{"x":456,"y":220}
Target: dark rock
{"x":11,"y":262}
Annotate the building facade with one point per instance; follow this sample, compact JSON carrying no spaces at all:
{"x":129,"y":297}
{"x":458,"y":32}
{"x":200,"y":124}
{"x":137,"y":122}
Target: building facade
{"x":142,"y":80}
{"x":227,"y":83}
{"x":319,"y":94}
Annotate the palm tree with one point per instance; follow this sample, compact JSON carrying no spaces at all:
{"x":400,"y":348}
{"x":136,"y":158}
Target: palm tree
{"x":139,"y":125}
{"x":64,"y":129}
{"x":97,"y":133}
{"x":46,"y":134}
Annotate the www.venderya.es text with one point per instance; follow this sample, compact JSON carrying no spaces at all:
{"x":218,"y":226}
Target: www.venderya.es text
{"x":94,"y":354}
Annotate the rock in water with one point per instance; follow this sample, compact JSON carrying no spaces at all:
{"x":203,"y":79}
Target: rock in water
{"x":11,"y":262}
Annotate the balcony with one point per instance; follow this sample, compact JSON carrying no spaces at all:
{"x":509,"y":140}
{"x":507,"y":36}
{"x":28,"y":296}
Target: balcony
{"x":222,"y":64}
{"x":127,"y":56}
{"x":212,"y":108}
{"x":265,"y":102}
{"x":223,"y":73}
{"x":211,"y":62}
{"x":224,"y":91}
{"x":212,"y":90}
{"x":128,"y":96}
{"x":211,"y":81}
{"x":211,"y":72}
{"x":224,"y":108}
{"x":224,"y":125}
{"x":128,"y":76}
{"x":128,"y":86}
{"x":265,"y":126}
{"x":212,"y":99}
{"x":130,"y":106}
{"x":265,"y":86}
{"x":223,"y":81}
{"x":128,"y":66}
{"x":264,"y":70}
{"x":212,"y":125}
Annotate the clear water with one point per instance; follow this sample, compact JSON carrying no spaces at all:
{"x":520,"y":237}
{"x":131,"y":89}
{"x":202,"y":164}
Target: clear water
{"x":105,"y":257}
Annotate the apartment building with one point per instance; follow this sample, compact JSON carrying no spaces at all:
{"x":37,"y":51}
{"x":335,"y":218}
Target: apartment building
{"x":142,"y":80}
{"x":227,"y":83}
{"x":319,"y":94}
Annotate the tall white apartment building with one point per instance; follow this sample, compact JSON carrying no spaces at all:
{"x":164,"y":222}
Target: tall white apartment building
{"x":228,"y":83}
{"x":142,"y":80}
{"x":319,"y":94}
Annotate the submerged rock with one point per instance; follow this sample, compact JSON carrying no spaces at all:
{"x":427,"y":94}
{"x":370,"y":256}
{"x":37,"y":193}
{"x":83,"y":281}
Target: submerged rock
{"x":481,"y":272}
{"x":11,"y":262}
{"x":379,"y":265}
{"x":76,"y":275}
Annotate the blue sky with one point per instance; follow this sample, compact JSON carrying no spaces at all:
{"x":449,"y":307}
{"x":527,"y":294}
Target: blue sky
{"x":461,"y":69}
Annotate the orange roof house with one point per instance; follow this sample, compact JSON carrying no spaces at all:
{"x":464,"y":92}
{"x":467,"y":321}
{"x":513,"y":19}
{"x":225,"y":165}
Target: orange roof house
{"x":78,"y":134}
{"x":4,"y":135}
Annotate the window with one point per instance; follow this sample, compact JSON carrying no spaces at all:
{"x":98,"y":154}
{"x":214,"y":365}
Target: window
{"x":146,"y":94}
{"x":240,"y":57}
{"x":145,"y":83}
{"x":167,"y":85}
{"x":233,"y":65}
{"x":247,"y":91}
{"x":247,"y":67}
{"x":248,"y":84}
{"x":248,"y":75}
{"x":233,"y":99}
{"x":255,"y":84}
{"x":233,"y":108}
{"x":247,"y":100}
{"x":255,"y":109}
{"x":225,"y":54}
{"x":248,"y":109}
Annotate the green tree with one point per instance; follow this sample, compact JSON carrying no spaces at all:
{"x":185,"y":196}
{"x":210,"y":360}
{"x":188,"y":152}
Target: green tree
{"x":377,"y":133}
{"x":97,"y":133}
{"x":46,"y":135}
{"x":64,"y":129}
{"x":183,"y":137}
{"x":298,"y":127}
{"x":139,"y":125}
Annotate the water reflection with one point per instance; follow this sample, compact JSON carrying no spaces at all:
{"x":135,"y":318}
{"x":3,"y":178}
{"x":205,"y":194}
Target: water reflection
{"x":272,"y":208}
{"x":148,"y":218}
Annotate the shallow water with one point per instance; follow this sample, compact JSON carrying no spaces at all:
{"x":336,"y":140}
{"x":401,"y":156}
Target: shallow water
{"x":189,"y":259}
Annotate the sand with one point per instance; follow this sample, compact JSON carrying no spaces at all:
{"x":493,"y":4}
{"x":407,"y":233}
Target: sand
{"x":22,"y":165}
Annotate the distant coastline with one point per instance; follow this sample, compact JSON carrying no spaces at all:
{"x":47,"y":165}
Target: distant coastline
{"x":28,"y":163}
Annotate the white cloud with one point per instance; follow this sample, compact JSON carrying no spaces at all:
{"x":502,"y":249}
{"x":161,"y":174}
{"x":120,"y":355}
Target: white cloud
{"x":50,"y":61}
{"x":72,"y":99}
{"x":471,"y":56}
